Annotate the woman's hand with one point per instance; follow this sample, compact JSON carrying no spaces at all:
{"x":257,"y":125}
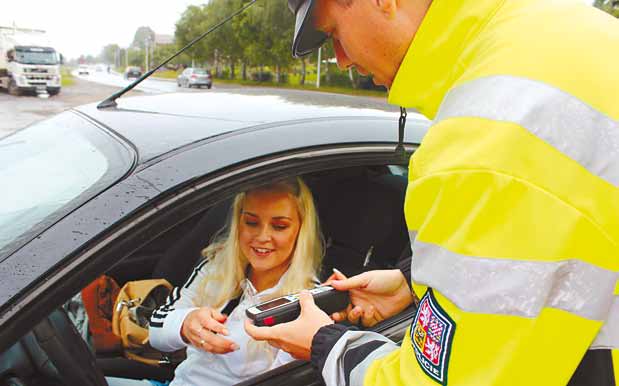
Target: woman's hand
{"x":202,"y":328}
{"x":374,"y":295}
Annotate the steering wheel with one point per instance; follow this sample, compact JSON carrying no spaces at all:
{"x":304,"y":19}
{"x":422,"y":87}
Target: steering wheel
{"x":67,"y":351}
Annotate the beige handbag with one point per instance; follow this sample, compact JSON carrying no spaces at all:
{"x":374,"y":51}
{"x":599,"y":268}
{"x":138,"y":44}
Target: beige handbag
{"x":135,"y":303}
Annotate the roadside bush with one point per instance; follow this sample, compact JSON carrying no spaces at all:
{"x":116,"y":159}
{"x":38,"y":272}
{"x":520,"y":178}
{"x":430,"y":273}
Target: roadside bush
{"x":336,"y":78}
{"x":283,"y":77}
{"x":366,"y":83}
{"x":264,"y":76}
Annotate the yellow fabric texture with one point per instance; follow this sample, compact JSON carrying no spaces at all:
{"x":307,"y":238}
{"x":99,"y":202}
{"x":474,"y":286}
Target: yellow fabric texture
{"x":491,"y":189}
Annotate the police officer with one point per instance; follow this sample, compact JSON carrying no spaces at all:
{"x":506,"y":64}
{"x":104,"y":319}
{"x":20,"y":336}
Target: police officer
{"x":512,"y":202}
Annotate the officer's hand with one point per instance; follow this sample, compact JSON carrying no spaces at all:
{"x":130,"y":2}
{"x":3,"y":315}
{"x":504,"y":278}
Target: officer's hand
{"x":294,"y":337}
{"x":374,"y":295}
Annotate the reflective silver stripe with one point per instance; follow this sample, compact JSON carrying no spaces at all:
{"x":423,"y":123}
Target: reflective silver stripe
{"x":358,"y":373}
{"x":608,"y":337}
{"x":514,"y":287}
{"x":571,"y":126}
{"x":333,"y":370}
{"x":412,"y":235}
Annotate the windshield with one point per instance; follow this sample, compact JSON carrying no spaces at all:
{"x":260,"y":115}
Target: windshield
{"x":36,"y":56}
{"x":49,"y":169}
{"x":199,"y":71}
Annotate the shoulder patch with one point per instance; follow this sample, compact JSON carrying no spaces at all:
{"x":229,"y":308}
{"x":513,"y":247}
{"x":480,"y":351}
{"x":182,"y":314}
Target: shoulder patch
{"x":431,"y":336}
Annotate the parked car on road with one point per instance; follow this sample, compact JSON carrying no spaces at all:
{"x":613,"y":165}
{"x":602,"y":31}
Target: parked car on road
{"x":83,"y":70}
{"x":132,"y":72}
{"x":137,"y":190}
{"x":194,"y":77}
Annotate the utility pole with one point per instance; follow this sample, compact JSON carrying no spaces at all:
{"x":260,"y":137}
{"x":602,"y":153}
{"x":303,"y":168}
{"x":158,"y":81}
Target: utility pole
{"x":318,"y":68}
{"x":146,"y":42}
{"x":127,"y":56}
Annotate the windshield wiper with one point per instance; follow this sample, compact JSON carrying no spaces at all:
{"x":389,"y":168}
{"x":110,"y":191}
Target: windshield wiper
{"x":111,"y":100}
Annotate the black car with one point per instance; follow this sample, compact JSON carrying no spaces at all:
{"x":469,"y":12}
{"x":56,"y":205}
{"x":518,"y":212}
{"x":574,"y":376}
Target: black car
{"x":137,"y":190}
{"x":132,"y":73}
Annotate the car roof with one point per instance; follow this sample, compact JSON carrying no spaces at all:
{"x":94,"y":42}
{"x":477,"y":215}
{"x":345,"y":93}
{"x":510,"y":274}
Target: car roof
{"x":156,"y":125}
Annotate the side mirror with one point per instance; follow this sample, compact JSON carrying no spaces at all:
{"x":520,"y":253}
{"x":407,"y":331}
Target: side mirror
{"x":61,"y":58}
{"x":10,"y":55}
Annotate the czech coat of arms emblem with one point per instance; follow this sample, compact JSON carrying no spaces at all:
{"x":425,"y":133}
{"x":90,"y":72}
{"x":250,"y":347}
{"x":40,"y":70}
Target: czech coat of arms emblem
{"x":431,"y":335}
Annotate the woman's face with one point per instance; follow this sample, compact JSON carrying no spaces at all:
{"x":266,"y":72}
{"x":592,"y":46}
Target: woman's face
{"x":268,"y":231}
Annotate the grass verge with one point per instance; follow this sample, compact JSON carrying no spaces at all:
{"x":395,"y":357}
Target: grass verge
{"x":169,"y":74}
{"x":166,"y":74}
{"x":67,"y":77}
{"x":307,"y":87}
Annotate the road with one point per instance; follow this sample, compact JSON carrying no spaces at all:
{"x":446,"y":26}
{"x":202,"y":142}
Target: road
{"x":150,"y":85}
{"x":19,"y":112}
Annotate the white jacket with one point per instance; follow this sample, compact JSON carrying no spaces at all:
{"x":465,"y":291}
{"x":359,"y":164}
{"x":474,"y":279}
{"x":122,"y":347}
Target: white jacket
{"x":203,"y":368}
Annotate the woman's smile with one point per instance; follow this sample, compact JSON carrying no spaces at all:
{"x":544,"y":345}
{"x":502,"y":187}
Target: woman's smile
{"x":262,"y":252}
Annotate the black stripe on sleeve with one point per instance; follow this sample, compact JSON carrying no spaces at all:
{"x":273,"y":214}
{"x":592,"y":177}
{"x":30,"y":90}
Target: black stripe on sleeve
{"x":355,"y":356}
{"x":157,"y":317}
{"x":195,"y":273}
{"x":156,"y":324}
{"x":161,"y":312}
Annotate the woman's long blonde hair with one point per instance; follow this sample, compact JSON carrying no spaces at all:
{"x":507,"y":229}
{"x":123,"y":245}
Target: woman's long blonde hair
{"x":227,"y":265}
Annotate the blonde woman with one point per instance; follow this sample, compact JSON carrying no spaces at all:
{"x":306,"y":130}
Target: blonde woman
{"x":273,"y":247}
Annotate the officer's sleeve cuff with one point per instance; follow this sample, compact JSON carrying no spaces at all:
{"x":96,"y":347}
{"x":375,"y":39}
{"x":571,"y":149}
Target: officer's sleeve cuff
{"x":404,"y":265}
{"x":323,"y":342}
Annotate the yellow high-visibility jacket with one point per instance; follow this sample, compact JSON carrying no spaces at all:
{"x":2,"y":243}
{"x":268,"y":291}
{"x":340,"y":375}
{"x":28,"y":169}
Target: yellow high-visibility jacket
{"x":512,"y":203}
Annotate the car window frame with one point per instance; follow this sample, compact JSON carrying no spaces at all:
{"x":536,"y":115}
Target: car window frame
{"x":170,"y":211}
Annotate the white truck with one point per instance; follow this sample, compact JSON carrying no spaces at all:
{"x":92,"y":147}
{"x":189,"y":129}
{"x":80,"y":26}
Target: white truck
{"x":28,"y":62}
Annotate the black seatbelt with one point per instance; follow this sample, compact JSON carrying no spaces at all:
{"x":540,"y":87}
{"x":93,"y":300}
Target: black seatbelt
{"x":231,"y":306}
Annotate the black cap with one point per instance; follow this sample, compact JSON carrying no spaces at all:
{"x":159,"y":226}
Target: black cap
{"x":306,"y":37}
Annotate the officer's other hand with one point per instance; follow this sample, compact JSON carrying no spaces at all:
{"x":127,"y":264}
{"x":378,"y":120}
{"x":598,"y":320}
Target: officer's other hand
{"x":294,"y":337}
{"x":374,"y":295}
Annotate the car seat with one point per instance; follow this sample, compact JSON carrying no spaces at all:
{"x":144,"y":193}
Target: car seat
{"x":362,"y":219}
{"x":179,"y":260}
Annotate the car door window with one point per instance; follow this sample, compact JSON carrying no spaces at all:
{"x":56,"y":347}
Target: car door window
{"x":338,"y":195}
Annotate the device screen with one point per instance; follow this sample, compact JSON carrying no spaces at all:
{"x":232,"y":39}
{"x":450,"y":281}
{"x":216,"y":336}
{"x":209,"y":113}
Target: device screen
{"x":272,"y":304}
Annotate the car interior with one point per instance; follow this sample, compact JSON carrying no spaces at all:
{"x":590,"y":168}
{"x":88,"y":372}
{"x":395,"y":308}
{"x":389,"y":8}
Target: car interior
{"x":361,"y":217}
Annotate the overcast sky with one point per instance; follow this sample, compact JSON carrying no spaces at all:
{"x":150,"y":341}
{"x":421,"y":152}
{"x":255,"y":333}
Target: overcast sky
{"x":84,"y":26}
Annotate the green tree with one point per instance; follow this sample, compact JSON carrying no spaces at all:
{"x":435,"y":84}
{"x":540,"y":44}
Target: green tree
{"x":281,"y":29}
{"x":136,"y":57}
{"x":140,"y":36}
{"x":610,"y":6}
{"x":188,"y":27}
{"x":224,"y":44}
{"x":110,"y":54}
{"x":163,"y":52}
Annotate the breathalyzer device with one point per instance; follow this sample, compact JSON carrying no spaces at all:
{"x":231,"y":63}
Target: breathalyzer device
{"x":287,"y":308}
